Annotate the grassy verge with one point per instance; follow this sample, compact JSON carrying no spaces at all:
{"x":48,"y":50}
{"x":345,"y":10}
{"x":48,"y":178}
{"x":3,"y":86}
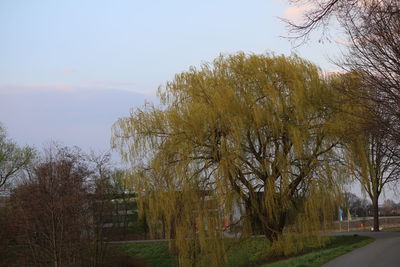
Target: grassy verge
{"x":397,"y":229}
{"x":248,"y":252}
{"x":245,"y":252}
{"x":151,"y":253}
{"x":337,"y":246}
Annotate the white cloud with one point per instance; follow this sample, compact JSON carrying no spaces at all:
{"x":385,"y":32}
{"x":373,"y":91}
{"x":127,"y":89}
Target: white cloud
{"x":342,"y":41}
{"x":295,"y":13}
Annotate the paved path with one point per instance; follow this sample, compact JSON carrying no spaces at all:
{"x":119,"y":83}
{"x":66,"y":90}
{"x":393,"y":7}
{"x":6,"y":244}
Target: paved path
{"x":383,"y":252}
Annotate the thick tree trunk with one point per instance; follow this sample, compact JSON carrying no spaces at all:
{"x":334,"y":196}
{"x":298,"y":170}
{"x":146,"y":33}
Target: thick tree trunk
{"x":375,"y":210}
{"x":272,"y":231}
{"x":272,"y":235}
{"x":263,"y":224}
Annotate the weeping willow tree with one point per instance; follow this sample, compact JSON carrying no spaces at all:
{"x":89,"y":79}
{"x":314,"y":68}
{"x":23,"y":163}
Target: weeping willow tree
{"x":254,"y":129}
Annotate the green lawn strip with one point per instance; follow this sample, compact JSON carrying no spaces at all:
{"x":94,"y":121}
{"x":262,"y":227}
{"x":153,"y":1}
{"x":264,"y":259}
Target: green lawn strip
{"x":152,"y":253}
{"x":243,"y":252}
{"x":248,"y":252}
{"x":338,"y":246}
{"x":396,"y":229}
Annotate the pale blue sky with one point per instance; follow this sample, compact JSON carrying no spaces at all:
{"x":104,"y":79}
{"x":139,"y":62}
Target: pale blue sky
{"x":69,"y":69}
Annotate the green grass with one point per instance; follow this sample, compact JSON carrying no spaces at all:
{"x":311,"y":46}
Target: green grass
{"x":152,"y":253}
{"x":249,"y":252}
{"x":243,"y":252}
{"x":397,"y":229}
{"x":337,"y":246}
{"x":246,"y":252}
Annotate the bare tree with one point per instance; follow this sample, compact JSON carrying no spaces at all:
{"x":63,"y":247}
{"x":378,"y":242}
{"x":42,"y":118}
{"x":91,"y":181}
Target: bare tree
{"x":56,"y":211}
{"x":101,"y":202}
{"x":372,"y":29}
{"x":374,"y":163}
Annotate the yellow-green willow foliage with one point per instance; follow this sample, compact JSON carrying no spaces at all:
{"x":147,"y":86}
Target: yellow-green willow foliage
{"x":254,"y":129}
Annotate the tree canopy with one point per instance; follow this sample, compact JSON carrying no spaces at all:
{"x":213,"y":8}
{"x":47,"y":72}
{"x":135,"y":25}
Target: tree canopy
{"x":257,"y":129}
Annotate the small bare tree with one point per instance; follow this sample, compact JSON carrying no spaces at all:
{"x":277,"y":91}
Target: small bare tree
{"x":56,"y":211}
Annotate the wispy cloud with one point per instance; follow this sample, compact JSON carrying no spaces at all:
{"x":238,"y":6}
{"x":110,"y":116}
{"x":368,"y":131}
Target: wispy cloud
{"x":37,"y":113}
{"x":24,"y":87}
{"x":68,"y":88}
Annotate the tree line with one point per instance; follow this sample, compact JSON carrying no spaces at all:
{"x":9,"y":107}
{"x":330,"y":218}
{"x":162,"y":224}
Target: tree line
{"x":56,"y":205}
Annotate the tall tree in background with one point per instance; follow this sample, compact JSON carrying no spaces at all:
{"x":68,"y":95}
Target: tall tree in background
{"x":12,"y":158}
{"x":372,"y":29}
{"x":374,"y":162}
{"x":257,"y":128}
{"x":371,"y":155}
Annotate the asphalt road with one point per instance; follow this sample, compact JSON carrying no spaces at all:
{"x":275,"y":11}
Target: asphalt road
{"x":383,"y":252}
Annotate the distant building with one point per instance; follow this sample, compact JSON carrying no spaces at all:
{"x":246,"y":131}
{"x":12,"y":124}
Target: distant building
{"x":395,"y":211}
